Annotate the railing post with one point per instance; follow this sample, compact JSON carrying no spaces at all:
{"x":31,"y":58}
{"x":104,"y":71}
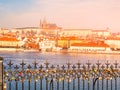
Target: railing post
{"x":98,"y":67}
{"x":73,"y":83}
{"x":102,"y":68}
{"x":51,"y":84}
{"x":102,"y":84}
{"x":1,"y":74}
{"x":46,"y":83}
{"x":111,"y":84}
{"x":40,"y":83}
{"x":63,"y":84}
{"x":16,"y":78}
{"x":94,"y":81}
{"x":115,"y":83}
{"x":83,"y":84}
{"x":78,"y":83}
{"x":23,"y":78}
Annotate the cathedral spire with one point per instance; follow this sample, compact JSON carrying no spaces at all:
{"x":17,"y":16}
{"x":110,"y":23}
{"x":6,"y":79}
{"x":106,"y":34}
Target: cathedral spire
{"x":44,"y":23}
{"x":41,"y":24}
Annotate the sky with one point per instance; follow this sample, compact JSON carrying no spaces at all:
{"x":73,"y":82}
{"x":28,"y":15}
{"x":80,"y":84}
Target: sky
{"x":80,"y":14}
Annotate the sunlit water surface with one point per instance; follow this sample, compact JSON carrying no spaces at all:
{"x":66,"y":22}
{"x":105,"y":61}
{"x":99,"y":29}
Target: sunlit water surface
{"x":58,"y":58}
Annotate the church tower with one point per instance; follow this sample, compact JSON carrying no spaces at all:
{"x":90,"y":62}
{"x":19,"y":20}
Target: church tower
{"x":107,"y":29}
{"x":41,"y":24}
{"x":44,"y":23}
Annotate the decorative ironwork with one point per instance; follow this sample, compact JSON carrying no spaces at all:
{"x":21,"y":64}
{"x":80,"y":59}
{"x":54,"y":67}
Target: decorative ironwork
{"x":63,"y":77}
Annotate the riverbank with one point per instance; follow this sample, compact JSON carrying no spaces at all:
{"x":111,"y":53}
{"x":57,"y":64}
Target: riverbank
{"x":61,"y":51}
{"x":95,"y":52}
{"x":11,"y":49}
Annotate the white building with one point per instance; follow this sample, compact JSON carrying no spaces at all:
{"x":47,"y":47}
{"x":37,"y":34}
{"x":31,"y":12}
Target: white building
{"x":89,"y":47}
{"x":76,"y":32}
{"x":101,"y":33}
{"x":113,"y":43}
{"x":47,"y":44}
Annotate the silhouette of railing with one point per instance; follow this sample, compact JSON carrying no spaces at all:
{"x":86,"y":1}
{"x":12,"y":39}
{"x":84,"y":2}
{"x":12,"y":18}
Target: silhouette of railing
{"x":62,"y":77}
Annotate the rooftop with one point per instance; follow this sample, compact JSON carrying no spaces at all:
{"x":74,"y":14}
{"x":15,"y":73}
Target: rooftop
{"x":8,"y":39}
{"x":90,"y":44}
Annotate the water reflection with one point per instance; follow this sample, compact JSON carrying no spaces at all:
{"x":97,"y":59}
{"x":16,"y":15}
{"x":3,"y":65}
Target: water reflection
{"x":58,"y":58}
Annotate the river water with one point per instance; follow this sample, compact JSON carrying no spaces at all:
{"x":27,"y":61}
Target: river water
{"x":58,"y":58}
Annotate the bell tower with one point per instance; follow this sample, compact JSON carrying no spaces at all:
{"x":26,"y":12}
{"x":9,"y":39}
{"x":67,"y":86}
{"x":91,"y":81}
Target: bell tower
{"x":41,"y":24}
{"x":44,"y":23}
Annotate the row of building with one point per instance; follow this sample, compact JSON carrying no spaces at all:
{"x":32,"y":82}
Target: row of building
{"x":50,"y":37}
{"x":59,"y":44}
{"x":61,"y":32}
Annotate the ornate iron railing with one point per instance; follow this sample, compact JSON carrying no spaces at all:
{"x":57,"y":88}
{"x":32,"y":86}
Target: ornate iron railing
{"x":62,"y":77}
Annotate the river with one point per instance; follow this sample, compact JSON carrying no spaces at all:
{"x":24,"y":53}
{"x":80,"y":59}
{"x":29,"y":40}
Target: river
{"x":58,"y":58}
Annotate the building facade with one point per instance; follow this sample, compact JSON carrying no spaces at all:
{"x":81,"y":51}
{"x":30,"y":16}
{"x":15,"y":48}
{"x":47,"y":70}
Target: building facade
{"x":9,"y":42}
{"x":114,"y":43}
{"x":89,"y":47}
{"x":76,"y":32}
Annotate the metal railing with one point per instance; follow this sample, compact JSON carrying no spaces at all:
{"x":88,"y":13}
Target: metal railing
{"x":62,"y":77}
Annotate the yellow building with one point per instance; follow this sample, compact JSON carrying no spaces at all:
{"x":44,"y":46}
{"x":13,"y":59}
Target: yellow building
{"x":66,"y":42}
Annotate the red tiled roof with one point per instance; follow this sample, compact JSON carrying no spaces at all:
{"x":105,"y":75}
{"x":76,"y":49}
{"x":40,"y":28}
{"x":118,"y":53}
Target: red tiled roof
{"x":8,"y":39}
{"x":90,"y":44}
{"x":73,"y":29}
{"x":32,"y":45}
{"x":112,"y":38}
{"x":99,"y":30}
{"x":70,"y":38}
{"x":9,"y":35}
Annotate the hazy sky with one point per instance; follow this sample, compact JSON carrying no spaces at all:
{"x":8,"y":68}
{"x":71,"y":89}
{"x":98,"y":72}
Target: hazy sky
{"x":83,"y":14}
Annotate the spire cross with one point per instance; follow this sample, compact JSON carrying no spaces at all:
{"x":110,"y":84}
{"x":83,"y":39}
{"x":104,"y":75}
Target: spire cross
{"x":16,"y":67}
{"x":88,"y":63}
{"x":29,"y":66}
{"x":98,"y":64}
{"x":41,"y":67}
{"x":35,"y":64}
{"x":107,"y":64}
{"x":46,"y":63}
{"x":22,"y":64}
{"x":63,"y":67}
{"x":78,"y":64}
{"x":102,"y":67}
{"x":68,"y":64}
{"x":116,"y":64}
{"x":10,"y":64}
{"x":52,"y":66}
{"x":73,"y":67}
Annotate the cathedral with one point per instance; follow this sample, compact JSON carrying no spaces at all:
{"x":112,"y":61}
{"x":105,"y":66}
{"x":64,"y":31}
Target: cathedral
{"x":45,"y":25}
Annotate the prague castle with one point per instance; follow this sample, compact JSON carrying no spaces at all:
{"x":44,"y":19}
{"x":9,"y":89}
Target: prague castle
{"x":45,"y":25}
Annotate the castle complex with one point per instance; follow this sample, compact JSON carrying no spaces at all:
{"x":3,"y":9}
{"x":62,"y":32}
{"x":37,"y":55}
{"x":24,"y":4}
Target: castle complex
{"x":45,"y":25}
{"x":50,"y":36}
